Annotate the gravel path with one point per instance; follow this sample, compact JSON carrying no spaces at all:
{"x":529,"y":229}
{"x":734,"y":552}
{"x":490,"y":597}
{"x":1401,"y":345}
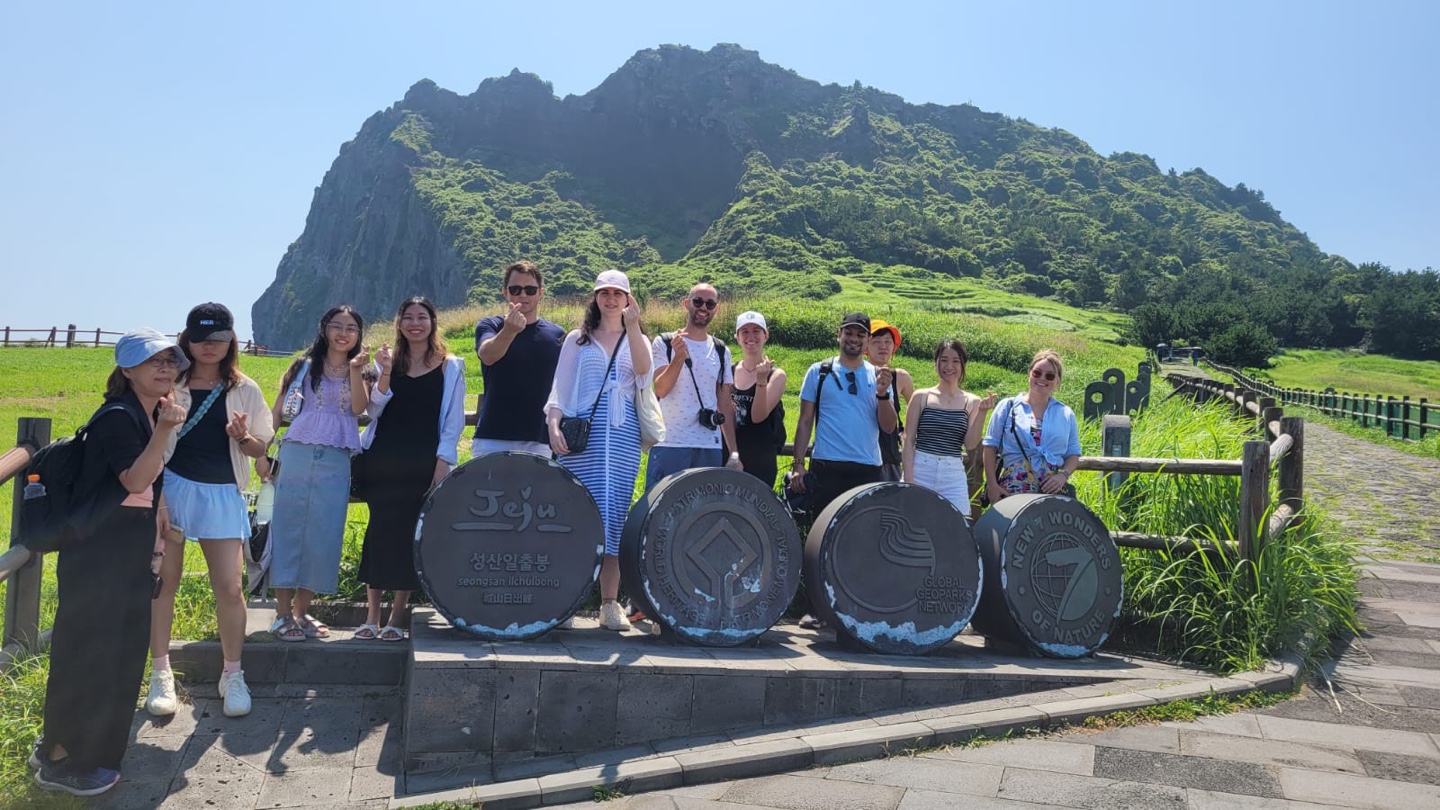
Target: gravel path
{"x":1385,"y":498}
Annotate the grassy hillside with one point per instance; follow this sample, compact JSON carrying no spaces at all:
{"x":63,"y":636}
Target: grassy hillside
{"x":1355,"y":372}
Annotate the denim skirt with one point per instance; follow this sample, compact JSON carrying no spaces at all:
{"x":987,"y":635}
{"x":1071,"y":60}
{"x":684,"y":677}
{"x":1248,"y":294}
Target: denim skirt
{"x":206,"y":511}
{"x":312,"y":494}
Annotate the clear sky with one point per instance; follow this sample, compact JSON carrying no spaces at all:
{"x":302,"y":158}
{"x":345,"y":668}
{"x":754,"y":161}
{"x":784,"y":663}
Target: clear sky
{"x":154,"y":155}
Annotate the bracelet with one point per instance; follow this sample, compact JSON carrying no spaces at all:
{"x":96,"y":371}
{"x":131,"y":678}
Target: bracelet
{"x":734,"y":455}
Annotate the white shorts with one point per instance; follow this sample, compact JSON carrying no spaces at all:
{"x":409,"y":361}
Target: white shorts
{"x":480,"y":447}
{"x":206,"y":511}
{"x":945,"y":475}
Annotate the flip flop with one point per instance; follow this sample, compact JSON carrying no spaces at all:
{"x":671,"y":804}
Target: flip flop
{"x":313,"y":627}
{"x":366,"y":632}
{"x":392,"y":633}
{"x":284,"y":628}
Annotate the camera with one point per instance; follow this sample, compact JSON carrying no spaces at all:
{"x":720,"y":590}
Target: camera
{"x":710,"y":419}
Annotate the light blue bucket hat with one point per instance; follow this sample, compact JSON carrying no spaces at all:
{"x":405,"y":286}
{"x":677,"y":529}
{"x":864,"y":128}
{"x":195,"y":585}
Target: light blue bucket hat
{"x":134,"y":348}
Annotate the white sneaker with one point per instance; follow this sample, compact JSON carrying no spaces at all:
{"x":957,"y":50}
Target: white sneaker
{"x":235,"y":693}
{"x":161,"y":701}
{"x":568,"y":624}
{"x":612,"y":617}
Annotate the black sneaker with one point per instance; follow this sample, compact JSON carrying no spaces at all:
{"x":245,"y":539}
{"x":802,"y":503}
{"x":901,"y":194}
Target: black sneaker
{"x":60,"y":776}
{"x":37,"y":760}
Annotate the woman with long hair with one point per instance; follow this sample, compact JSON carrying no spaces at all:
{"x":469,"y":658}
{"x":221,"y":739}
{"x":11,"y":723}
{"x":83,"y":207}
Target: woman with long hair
{"x":418,"y":413}
{"x":207,"y":466}
{"x":945,"y":422}
{"x":106,"y":572}
{"x":603,"y":362}
{"x":312,"y":486}
{"x":1033,"y":441}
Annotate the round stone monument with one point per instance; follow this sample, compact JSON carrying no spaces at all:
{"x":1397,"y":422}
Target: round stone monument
{"x":711,"y":555}
{"x":893,"y":567}
{"x":508,"y":546}
{"x":1052,"y":575}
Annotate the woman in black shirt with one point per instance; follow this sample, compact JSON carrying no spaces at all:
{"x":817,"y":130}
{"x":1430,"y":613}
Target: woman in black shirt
{"x":106,"y":573}
{"x":758,"y":387}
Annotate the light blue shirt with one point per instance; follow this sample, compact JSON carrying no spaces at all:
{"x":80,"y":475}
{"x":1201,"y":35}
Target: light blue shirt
{"x":1059,"y":432}
{"x":846,"y":427}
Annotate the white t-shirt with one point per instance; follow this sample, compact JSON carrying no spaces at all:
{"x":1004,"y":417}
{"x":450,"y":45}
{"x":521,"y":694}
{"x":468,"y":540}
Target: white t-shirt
{"x":680,"y":407}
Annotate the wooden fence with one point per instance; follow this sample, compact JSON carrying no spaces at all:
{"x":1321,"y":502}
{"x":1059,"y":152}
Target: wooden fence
{"x":1401,"y":418}
{"x":22,"y":595}
{"x":70,"y":337}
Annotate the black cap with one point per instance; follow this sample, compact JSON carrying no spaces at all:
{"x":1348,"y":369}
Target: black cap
{"x":857,"y":319}
{"x":210,"y":321}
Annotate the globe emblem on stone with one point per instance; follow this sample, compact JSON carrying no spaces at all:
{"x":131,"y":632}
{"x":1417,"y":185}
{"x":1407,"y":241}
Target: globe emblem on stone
{"x":1063,"y":575}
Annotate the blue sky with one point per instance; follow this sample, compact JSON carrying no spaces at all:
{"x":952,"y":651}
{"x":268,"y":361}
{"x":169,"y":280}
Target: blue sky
{"x":155,"y":155}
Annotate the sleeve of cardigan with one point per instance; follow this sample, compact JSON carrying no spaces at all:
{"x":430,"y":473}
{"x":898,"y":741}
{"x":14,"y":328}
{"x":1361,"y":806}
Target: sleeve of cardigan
{"x":452,"y":410}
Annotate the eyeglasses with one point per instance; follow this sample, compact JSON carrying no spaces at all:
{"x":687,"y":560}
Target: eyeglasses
{"x":704,"y":303}
{"x":849,"y":378}
{"x":343,"y":328}
{"x":1037,"y":374}
{"x":166,"y":360}
{"x":522,"y":289}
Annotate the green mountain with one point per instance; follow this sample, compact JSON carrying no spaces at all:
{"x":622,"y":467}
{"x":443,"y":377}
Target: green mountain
{"x":686,"y":164}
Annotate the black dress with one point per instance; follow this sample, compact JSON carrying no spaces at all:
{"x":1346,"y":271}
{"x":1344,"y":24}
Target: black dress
{"x":757,"y":441}
{"x":399,"y":467}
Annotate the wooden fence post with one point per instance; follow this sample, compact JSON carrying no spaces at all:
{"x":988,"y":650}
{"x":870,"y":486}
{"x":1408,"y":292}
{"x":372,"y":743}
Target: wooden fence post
{"x":1268,"y":417}
{"x":22,"y":596}
{"x":70,"y":336}
{"x":7,"y":336}
{"x":1291,"y":469}
{"x":1266,"y":404}
{"x":1254,"y":499}
{"x":97,"y":337}
{"x":1424,"y":415}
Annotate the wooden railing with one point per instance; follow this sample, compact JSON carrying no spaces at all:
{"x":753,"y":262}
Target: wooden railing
{"x":71,"y":337}
{"x":1401,"y":418}
{"x":18,"y":566}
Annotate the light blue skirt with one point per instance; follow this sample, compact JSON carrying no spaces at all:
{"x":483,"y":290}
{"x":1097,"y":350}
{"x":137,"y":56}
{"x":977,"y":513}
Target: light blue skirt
{"x":206,"y":511}
{"x":312,"y":493}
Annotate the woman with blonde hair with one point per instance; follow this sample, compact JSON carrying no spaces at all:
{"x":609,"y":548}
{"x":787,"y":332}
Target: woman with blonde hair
{"x":601,"y":364}
{"x":418,"y":413}
{"x":207,"y":467}
{"x":1033,"y":441}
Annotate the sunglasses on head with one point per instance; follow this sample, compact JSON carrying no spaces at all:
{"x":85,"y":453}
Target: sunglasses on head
{"x":704,"y":303}
{"x":527,"y":289}
{"x":1037,"y":374}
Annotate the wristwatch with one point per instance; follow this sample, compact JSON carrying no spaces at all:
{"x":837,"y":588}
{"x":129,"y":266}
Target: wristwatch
{"x":883,"y":396}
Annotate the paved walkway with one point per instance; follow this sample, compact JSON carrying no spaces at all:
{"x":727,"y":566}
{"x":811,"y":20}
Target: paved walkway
{"x":1364,"y":734}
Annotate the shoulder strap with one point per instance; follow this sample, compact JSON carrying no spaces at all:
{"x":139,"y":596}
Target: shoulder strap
{"x":827,"y":367}
{"x":109,"y":407}
{"x":605,"y":378}
{"x":199,"y":414}
{"x":666,"y":337}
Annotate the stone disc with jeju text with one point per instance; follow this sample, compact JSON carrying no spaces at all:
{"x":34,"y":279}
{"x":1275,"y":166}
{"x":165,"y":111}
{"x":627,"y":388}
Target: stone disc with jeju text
{"x":893,"y":567}
{"x":508,"y":546}
{"x":712,"y":555}
{"x":1052,"y":575}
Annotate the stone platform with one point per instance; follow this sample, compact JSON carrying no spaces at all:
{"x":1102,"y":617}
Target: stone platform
{"x":479,"y":712}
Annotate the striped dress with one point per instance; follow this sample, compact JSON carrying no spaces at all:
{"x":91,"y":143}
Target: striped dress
{"x":611,"y":461}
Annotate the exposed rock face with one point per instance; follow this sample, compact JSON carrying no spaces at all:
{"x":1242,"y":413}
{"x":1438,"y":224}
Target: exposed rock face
{"x":718,"y":163}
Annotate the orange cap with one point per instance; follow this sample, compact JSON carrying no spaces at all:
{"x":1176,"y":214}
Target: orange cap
{"x":877,"y":325}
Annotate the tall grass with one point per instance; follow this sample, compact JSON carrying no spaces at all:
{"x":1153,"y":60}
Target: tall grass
{"x":1217,"y":610}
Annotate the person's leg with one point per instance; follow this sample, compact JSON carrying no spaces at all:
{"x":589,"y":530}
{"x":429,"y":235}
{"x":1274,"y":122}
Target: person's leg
{"x":303,"y":596}
{"x":400,"y":610}
{"x":223,"y":559}
{"x":665,"y":461}
{"x":373,"y":599}
{"x":162,"y":613}
{"x":610,"y":578}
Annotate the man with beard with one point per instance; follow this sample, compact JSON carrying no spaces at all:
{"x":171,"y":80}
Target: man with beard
{"x":884,"y":340}
{"x":692,"y":382}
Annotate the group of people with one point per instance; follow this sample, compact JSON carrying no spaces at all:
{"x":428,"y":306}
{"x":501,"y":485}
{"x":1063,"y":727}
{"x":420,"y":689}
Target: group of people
{"x":176,"y":458}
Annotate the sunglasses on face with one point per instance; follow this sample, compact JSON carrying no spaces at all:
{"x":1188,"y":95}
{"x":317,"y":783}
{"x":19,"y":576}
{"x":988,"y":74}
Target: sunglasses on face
{"x":704,"y":303}
{"x":525,"y":289}
{"x":1038,"y":374}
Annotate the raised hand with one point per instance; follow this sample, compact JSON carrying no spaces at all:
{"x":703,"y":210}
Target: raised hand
{"x":680,"y":350}
{"x":239,"y":425}
{"x":632,"y":310}
{"x":385,"y":358}
{"x":171,"y":415}
{"x":361,"y":360}
{"x":883,"y":377}
{"x":989,"y":401}
{"x":514,"y":319}
{"x":763,"y":370}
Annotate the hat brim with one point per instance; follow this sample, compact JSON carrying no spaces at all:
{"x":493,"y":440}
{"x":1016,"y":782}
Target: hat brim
{"x":200,"y":335}
{"x":894,"y":333}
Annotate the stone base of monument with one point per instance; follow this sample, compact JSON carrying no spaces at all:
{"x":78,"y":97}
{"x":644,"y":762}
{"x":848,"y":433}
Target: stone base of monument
{"x":482,"y":712}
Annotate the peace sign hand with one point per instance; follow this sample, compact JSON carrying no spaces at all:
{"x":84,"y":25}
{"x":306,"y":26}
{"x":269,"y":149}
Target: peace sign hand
{"x":239,"y":426}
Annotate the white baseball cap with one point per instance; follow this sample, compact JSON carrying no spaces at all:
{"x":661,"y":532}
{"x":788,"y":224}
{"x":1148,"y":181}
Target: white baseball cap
{"x":751,"y":317}
{"x":613,"y":279}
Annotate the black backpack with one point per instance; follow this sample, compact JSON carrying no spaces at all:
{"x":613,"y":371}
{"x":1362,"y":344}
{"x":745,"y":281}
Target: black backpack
{"x":48,"y":522}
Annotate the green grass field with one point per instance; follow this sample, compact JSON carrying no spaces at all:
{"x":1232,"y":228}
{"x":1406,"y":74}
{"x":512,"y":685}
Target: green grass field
{"x":1355,"y":372}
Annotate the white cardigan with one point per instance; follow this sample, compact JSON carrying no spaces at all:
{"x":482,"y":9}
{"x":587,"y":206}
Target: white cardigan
{"x":452,"y":411}
{"x":245,"y":398}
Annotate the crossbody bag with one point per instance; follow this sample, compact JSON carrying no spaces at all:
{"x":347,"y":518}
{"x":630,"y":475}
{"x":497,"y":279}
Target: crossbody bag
{"x":576,"y":429}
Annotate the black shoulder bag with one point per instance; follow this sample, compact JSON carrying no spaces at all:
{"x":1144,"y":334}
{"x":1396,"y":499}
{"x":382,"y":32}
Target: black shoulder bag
{"x":576,"y":429}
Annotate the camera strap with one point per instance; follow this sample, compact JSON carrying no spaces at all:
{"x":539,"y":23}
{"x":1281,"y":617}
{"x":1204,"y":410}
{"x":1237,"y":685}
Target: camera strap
{"x":690,"y":367}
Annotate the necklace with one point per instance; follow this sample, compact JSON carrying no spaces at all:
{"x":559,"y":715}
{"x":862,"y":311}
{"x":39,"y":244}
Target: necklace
{"x":336,"y":371}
